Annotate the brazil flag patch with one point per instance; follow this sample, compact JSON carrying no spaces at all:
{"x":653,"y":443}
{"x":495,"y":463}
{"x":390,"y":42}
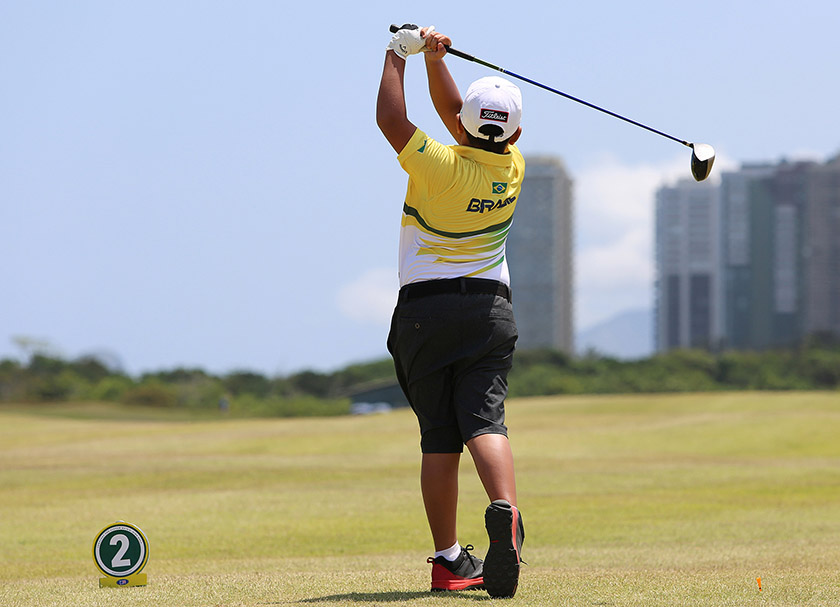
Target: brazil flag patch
{"x":499,"y":187}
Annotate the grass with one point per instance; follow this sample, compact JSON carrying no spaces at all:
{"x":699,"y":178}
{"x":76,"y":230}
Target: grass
{"x":628,"y":500}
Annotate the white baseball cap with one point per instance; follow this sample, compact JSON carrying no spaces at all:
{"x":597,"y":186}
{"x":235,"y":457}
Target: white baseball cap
{"x":492,"y":100}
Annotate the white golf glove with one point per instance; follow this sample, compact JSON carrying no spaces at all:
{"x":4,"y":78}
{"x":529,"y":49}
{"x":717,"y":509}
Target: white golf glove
{"x":407,"y":41}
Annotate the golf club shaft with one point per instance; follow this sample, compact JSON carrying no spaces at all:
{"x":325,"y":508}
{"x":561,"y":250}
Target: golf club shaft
{"x":468,"y":57}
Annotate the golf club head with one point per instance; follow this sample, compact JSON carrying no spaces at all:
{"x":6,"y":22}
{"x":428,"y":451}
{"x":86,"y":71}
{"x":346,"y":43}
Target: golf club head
{"x":702,"y":159}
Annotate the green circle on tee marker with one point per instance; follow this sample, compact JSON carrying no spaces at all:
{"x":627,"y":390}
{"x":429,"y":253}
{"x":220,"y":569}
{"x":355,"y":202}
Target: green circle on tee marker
{"x":120,"y":550}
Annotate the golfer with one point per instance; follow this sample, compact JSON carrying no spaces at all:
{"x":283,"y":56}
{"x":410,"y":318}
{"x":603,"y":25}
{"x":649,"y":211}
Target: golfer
{"x":453,"y":332}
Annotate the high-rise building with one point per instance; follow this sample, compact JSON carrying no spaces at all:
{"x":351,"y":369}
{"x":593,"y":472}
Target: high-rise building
{"x":821,"y":226}
{"x":539,"y":254}
{"x":737,"y":252}
{"x":687,"y":266}
{"x":766,"y":271}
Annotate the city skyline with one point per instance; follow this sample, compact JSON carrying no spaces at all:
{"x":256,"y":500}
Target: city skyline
{"x":753,"y":263}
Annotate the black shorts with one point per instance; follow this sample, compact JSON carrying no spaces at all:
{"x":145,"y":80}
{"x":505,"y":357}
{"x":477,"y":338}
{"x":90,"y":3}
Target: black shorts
{"x":452,"y":353}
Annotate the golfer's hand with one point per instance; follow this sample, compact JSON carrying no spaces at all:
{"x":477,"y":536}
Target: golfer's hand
{"x":436,"y":43}
{"x":408,"y":41}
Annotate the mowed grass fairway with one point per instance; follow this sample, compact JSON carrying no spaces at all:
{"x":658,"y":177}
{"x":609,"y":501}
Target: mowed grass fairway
{"x":627,"y":500}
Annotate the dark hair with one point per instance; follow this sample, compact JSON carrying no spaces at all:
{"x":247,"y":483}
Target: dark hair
{"x":490,"y":145}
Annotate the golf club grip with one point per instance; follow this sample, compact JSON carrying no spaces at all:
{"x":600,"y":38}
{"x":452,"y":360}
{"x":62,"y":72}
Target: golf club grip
{"x":454,"y":51}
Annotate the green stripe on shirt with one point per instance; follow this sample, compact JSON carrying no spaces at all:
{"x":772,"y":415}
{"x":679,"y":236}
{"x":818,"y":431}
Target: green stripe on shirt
{"x":488,"y":230}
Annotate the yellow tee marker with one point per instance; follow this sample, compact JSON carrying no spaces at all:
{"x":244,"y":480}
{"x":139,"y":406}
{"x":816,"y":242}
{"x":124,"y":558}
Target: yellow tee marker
{"x":120,"y":551}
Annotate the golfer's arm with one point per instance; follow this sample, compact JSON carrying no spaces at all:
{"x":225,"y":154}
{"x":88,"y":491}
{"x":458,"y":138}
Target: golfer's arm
{"x":391,"y":115}
{"x":445,"y":94}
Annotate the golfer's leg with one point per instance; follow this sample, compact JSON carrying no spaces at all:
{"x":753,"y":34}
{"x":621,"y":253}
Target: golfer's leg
{"x":439,"y":484}
{"x":494,"y":462}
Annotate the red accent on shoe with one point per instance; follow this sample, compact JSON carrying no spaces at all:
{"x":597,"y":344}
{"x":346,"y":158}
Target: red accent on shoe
{"x":443,"y":579}
{"x":513,"y":529}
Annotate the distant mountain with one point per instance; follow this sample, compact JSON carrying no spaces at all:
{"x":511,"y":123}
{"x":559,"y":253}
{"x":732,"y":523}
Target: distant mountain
{"x":628,"y":334}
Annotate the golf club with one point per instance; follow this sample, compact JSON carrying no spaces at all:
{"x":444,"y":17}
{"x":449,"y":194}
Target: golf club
{"x":702,"y":154}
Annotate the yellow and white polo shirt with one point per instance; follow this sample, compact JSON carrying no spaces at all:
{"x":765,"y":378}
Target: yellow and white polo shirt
{"x":458,"y":210}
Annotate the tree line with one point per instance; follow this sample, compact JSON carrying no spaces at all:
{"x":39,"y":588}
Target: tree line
{"x":309,"y":393}
{"x":809,"y":367}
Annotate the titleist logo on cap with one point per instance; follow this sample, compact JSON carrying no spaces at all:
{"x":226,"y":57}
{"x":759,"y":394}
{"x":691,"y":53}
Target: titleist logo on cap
{"x":496,"y":115}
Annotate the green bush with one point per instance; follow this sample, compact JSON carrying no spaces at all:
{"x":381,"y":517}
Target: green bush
{"x":822,"y":367}
{"x":199,"y":392}
{"x":90,"y":368}
{"x":111,"y":389}
{"x":542,"y":378}
{"x":61,"y":386}
{"x":313,"y":383}
{"x":151,"y":394}
{"x":12,"y":381}
{"x":245,"y":382}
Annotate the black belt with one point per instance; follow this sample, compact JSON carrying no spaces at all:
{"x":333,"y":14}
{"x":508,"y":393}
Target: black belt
{"x":454,"y":285}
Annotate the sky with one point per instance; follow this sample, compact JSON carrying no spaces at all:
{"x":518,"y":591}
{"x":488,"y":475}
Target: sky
{"x":203,"y":184}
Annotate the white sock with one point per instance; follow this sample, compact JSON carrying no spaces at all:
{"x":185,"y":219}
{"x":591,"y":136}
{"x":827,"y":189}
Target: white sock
{"x":451,"y":553}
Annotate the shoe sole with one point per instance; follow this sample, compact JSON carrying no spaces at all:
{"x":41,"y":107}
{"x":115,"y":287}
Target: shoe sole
{"x":501,"y":566}
{"x":458,"y":587}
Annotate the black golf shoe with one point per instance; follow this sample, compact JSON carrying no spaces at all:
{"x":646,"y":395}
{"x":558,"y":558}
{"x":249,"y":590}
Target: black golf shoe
{"x":464,"y":573}
{"x":501,"y":565}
